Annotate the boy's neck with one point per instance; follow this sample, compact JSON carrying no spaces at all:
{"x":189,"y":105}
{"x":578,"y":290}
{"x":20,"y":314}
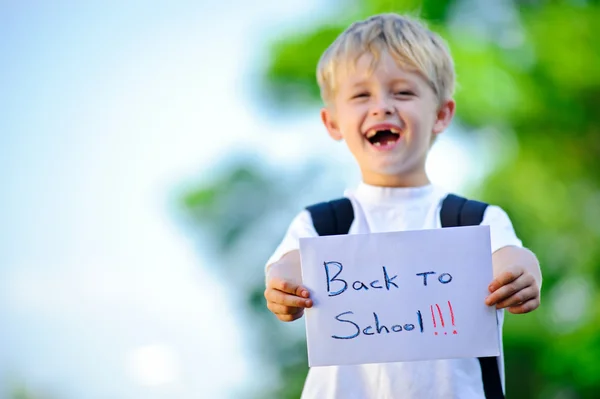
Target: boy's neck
{"x":415,"y":179}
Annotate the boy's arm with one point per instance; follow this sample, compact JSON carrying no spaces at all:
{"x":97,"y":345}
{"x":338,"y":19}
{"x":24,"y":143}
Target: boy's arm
{"x":285,"y":295}
{"x":517,"y":280}
{"x":287,"y":268}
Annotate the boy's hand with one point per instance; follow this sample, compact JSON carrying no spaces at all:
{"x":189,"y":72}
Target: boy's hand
{"x":516,"y":289}
{"x":286,"y":299}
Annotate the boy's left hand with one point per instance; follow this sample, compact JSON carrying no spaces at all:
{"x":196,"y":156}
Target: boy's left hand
{"x":516,"y":289}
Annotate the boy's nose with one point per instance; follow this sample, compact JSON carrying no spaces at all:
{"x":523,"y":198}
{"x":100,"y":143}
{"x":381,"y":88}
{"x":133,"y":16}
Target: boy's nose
{"x":382,"y":108}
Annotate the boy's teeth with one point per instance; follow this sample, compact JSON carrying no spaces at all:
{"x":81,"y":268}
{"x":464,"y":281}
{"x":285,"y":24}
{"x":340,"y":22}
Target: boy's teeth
{"x":377,"y":144}
{"x":373,"y":132}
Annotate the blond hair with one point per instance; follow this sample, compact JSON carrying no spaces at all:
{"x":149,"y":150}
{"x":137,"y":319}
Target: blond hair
{"x":408,"y":41}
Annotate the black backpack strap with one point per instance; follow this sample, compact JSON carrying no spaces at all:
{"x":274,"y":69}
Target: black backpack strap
{"x":458,"y":211}
{"x":490,"y":374}
{"x":332,"y":217}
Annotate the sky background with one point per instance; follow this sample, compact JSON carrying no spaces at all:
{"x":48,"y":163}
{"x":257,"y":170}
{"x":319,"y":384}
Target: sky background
{"x":107,"y":112}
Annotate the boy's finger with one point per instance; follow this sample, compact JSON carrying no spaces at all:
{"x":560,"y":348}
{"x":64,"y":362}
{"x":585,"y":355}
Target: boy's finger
{"x":507,"y":290}
{"x":289,"y":317}
{"x":290,"y":288}
{"x":504,"y":278}
{"x":518,"y":298}
{"x":282,"y":309}
{"x":526,"y":307}
{"x":279,"y":297}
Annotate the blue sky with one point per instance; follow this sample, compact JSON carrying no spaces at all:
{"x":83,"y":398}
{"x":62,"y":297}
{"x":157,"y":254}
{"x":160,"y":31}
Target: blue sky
{"x":106,"y":110}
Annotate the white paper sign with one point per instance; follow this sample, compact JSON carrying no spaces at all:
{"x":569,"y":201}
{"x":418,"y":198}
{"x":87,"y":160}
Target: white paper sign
{"x":403,"y":296}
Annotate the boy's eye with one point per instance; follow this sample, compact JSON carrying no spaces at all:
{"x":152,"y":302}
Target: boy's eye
{"x":405,"y":93}
{"x":361,"y":94}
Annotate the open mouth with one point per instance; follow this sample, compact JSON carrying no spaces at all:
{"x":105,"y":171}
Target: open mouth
{"x":383,"y":138}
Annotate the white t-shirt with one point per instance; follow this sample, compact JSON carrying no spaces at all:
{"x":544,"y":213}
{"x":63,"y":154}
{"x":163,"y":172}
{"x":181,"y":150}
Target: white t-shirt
{"x":384,"y":209}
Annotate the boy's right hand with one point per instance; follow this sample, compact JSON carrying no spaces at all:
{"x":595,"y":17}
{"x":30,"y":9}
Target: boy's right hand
{"x":286,"y":299}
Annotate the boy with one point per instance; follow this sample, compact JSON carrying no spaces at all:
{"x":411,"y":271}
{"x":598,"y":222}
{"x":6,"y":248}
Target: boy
{"x":387,"y":84}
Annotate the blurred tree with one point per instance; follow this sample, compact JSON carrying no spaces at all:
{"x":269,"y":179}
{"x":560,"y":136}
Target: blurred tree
{"x":528,"y":71}
{"x":242,"y":214}
{"x":21,"y":391}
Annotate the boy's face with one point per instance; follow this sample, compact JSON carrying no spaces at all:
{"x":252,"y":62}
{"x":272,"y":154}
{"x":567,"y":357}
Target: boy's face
{"x":388,"y":119}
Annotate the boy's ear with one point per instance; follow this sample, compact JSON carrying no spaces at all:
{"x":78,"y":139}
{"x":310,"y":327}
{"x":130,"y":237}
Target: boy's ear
{"x":444,"y":116}
{"x":330,"y":124}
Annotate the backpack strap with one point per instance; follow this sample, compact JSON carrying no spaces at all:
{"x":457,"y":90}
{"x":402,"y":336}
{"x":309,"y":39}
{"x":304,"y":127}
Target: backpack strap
{"x":458,"y":211}
{"x":332,"y":217}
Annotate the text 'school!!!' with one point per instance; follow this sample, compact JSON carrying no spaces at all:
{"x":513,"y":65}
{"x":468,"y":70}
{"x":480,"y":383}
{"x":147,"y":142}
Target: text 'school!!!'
{"x":336,"y":285}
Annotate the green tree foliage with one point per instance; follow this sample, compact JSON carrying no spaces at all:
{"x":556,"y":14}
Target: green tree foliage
{"x":527,"y":70}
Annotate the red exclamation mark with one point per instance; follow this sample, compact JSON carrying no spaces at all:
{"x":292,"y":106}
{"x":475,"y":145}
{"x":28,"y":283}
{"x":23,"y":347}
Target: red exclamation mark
{"x":452,"y":315}
{"x":433,"y":318}
{"x":441,"y":317}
